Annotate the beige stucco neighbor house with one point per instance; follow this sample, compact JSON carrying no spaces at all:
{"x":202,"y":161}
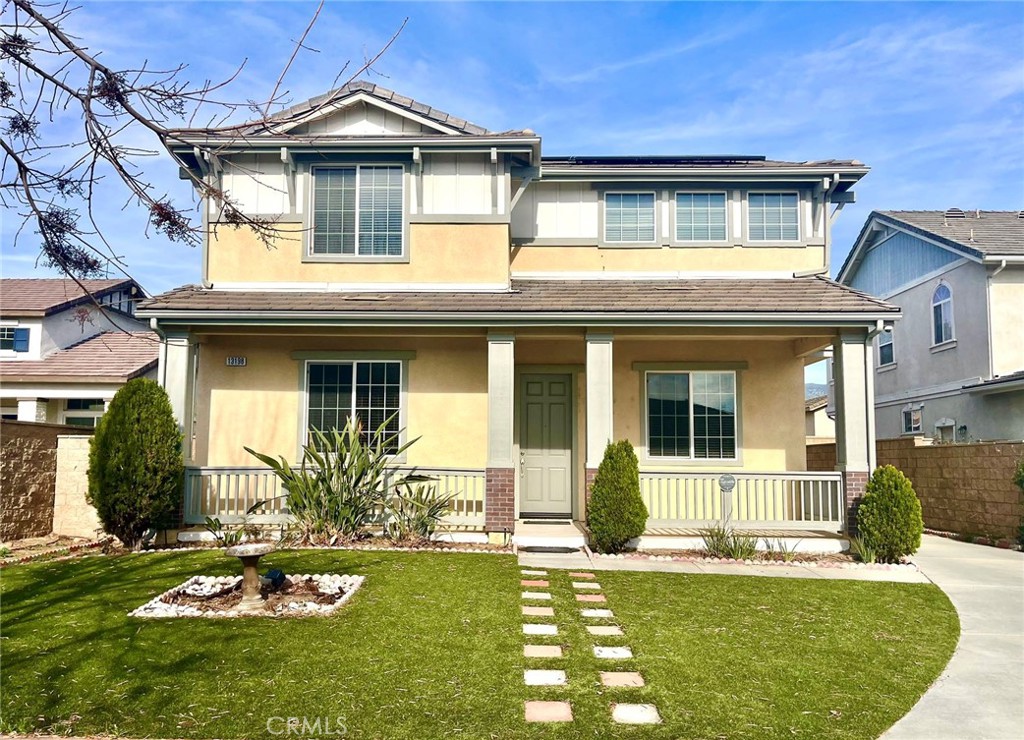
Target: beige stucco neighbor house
{"x":66,"y":347}
{"x":953,"y":367}
{"x":819,"y":426}
{"x":517,"y":312}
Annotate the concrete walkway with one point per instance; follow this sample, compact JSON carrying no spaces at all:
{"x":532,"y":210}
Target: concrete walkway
{"x":980,"y":695}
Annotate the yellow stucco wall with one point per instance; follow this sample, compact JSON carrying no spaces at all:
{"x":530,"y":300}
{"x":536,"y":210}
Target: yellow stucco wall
{"x":438,"y":253}
{"x":259,"y":405}
{"x":694,"y":259}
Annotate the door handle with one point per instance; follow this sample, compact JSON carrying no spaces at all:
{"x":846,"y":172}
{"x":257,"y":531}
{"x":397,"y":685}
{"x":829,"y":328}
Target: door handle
{"x":522,"y":464}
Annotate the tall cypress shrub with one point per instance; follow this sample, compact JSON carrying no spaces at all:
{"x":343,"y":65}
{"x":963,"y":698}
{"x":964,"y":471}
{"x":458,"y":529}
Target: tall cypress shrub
{"x":135,"y":463}
{"x":616,"y":512}
{"x":889,"y":515}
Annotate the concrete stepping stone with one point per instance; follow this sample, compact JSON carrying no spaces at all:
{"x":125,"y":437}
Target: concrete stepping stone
{"x":605,"y":630}
{"x":533,"y":584}
{"x":540,"y":629}
{"x":538,"y":611}
{"x":581,"y":575}
{"x":548,"y":711}
{"x":613,"y":653}
{"x":533,"y":677}
{"x":584,"y":585}
{"x":542,"y":651}
{"x":594,"y":598}
{"x":621,"y":678}
{"x":635,"y":714}
{"x":534,"y":572}
{"x":597,"y":613}
{"x":537,"y":595}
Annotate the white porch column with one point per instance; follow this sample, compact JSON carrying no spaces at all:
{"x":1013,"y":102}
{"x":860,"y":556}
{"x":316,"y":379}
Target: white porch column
{"x":600,"y":428}
{"x":31,"y":409}
{"x":176,"y":373}
{"x":499,"y":495}
{"x":853,"y":374}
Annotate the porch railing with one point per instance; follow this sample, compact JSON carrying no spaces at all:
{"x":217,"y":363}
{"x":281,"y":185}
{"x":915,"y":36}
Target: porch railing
{"x":759,"y":501}
{"x":227,"y":493}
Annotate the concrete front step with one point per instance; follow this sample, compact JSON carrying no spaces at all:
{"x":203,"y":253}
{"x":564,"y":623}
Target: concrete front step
{"x":567,"y":535}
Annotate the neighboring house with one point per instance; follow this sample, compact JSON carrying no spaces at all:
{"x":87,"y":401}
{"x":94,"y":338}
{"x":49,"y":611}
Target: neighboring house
{"x":515,"y":313}
{"x":953,"y":367}
{"x":817,"y":423}
{"x":66,"y":348}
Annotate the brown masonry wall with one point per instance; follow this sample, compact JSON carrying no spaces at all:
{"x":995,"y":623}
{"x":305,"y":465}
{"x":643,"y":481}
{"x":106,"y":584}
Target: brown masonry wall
{"x":964,"y":488}
{"x":28,"y":473}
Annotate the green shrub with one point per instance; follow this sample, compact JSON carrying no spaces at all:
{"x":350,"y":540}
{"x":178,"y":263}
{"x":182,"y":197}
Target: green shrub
{"x":135,"y":463}
{"x":889,"y":516}
{"x":616,"y":512}
{"x":1018,"y":478}
{"x":716,"y":541}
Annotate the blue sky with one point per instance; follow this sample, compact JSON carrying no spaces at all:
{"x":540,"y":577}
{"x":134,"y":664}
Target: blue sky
{"x":931,"y":96}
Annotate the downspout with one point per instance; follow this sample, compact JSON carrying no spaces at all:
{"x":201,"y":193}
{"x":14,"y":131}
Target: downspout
{"x":988,"y":316}
{"x":827,"y":221}
{"x":162,"y":357}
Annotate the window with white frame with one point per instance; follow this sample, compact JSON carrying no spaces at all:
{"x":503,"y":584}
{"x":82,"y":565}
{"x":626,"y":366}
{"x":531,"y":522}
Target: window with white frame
{"x":358,"y":211}
{"x":14,"y":339}
{"x":691,"y":415}
{"x":83,"y":412}
{"x":912,"y":419}
{"x":370,"y":391}
{"x":886,"y":355}
{"x":629,"y":218}
{"x":774,"y":217}
{"x":700,"y":217}
{"x":942,"y":315}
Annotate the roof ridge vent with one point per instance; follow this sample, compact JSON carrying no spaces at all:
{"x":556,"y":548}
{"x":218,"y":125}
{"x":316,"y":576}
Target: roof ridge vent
{"x":955,"y":213}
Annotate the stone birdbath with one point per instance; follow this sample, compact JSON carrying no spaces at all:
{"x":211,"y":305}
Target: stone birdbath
{"x":250,"y":556}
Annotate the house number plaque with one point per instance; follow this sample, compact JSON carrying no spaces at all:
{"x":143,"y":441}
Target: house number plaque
{"x":236,"y":361}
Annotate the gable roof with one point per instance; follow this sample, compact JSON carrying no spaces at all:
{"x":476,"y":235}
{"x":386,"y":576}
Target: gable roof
{"x":816,"y":403}
{"x":568,"y":301}
{"x":108,"y":357}
{"x":979,"y":235}
{"x":32,"y":297}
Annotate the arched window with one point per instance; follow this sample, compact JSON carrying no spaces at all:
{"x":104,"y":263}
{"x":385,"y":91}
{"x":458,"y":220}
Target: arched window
{"x":942,"y":315}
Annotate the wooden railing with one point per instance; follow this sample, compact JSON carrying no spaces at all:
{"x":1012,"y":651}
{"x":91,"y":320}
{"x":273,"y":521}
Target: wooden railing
{"x":227,"y":493}
{"x":760,"y":500}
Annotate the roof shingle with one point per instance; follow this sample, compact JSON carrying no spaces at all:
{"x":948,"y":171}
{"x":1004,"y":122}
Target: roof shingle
{"x":106,"y":357}
{"x":982,"y":233}
{"x":47,"y":296}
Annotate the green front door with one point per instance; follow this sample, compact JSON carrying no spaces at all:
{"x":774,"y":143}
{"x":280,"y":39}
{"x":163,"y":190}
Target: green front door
{"x":545,"y":445}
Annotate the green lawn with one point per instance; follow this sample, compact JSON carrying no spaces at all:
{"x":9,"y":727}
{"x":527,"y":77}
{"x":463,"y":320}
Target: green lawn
{"x":430,"y":647}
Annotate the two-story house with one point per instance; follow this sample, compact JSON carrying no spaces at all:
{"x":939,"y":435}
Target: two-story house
{"x":66,"y":347}
{"x":515,"y":312}
{"x":953,"y":367}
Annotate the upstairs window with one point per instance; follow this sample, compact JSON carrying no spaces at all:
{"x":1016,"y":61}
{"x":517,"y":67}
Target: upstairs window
{"x":774,"y":217}
{"x":691,"y":415}
{"x":885,"y":349}
{"x":357,"y":211}
{"x":700,"y":217}
{"x":629,"y":218}
{"x":942,"y":315}
{"x":14,"y":339}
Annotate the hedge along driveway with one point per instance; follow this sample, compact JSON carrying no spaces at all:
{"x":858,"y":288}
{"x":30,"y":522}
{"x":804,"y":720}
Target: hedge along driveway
{"x":431,"y":647}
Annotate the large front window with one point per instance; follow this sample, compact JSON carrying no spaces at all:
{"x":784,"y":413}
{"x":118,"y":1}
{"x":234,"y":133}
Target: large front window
{"x":368,"y":390}
{"x":357,"y":211}
{"x":691,"y":415}
{"x":629,"y":218}
{"x":774,"y":217}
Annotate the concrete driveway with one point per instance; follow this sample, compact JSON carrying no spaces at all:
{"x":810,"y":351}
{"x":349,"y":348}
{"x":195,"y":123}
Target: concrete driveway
{"x":980,"y":695}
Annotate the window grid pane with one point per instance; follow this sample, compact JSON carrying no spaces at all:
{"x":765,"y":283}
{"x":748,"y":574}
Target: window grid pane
{"x":370,"y":391}
{"x":334,"y":211}
{"x":773,"y":216}
{"x":629,"y":217}
{"x":700,"y":217}
{"x":714,"y":415}
{"x":885,"y":349}
{"x":7,"y":338}
{"x":380,"y":211}
{"x":668,"y":414}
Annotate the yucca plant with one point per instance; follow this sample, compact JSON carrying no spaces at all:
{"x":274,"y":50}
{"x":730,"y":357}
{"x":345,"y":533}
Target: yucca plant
{"x":741,"y":547}
{"x":414,"y":513}
{"x":716,"y":540}
{"x":344,"y":482}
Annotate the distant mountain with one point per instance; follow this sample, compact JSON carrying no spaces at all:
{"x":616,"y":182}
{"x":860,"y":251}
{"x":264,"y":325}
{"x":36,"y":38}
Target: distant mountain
{"x":813,"y":390}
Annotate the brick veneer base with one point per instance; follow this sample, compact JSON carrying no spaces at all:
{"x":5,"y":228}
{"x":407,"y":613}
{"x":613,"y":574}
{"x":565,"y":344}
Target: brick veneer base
{"x":499,"y":500}
{"x":854,"y":484}
{"x":591,"y":473}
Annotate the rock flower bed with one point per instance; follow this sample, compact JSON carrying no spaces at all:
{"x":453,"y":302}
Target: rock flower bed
{"x":219,"y":596}
{"x":802,"y":561}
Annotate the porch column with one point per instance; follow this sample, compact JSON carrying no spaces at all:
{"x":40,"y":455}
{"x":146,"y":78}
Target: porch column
{"x":176,"y":373}
{"x":31,"y":409}
{"x":500,"y":490}
{"x":853,"y":373}
{"x":600,"y":429}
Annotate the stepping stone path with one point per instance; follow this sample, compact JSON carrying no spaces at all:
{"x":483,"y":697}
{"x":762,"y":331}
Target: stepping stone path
{"x":561,"y":711}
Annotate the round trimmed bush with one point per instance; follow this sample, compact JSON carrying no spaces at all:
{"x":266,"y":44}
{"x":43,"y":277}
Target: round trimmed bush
{"x":135,"y":463}
{"x":889,"y":516}
{"x":616,"y":512}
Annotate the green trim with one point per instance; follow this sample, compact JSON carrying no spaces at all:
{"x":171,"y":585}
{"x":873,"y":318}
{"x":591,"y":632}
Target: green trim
{"x":328,"y":356}
{"x":688,"y":366}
